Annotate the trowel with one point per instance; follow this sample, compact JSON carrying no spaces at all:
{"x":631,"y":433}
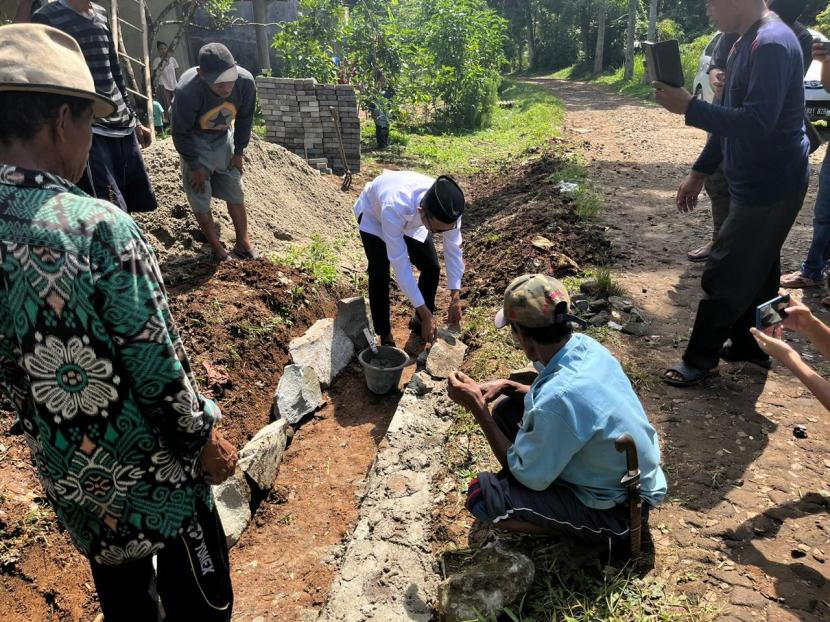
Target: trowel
{"x":371,"y":339}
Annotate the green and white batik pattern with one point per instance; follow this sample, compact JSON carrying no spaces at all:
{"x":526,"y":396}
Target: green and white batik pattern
{"x":91,"y":360}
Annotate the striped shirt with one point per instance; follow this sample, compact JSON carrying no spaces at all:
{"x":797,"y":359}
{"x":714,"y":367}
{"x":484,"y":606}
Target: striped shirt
{"x":93,"y":35}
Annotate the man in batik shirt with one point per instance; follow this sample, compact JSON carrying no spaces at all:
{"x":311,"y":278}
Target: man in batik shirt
{"x":124,"y":445}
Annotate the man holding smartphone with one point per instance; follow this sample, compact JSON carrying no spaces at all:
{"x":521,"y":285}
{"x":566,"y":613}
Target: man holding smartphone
{"x":758,"y":135}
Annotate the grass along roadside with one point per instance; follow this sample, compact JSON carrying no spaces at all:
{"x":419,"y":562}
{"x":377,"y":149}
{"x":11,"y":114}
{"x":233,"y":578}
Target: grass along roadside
{"x":535,"y":116}
{"x":614,"y":78}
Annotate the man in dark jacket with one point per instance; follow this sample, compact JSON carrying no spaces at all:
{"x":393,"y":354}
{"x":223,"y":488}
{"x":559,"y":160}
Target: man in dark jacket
{"x":758,"y":135}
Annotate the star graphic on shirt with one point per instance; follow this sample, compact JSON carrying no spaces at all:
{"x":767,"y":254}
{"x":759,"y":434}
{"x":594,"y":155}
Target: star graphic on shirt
{"x":220,"y":120}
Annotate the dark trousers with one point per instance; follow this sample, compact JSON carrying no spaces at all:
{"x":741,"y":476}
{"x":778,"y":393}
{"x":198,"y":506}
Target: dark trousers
{"x":118,"y":174}
{"x":422,"y":255}
{"x":193,"y":579}
{"x":718,"y":190}
{"x":743,"y":271}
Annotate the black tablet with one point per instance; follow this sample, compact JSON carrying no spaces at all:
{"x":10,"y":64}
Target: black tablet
{"x":663,"y":62}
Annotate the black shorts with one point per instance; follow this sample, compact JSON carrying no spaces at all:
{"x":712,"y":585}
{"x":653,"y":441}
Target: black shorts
{"x":118,"y":174}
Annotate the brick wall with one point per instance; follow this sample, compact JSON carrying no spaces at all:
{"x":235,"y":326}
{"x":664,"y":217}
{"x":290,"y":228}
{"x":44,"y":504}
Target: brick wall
{"x":298,"y":117}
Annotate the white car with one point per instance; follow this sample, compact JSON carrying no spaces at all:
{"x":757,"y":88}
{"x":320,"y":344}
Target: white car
{"x":816,"y":98}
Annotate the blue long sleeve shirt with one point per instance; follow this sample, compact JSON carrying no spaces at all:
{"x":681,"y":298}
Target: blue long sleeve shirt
{"x":579,"y":405}
{"x":758,"y":130}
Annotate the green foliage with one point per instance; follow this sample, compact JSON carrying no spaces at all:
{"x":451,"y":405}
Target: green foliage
{"x":823,"y":20}
{"x":535,"y":117}
{"x":690,"y":56}
{"x":462,"y":56}
{"x":669,"y":29}
{"x":319,"y":258}
{"x":306,"y":46}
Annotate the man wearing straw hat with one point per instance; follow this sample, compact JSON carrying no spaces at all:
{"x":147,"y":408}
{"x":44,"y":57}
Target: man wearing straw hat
{"x":90,"y":359}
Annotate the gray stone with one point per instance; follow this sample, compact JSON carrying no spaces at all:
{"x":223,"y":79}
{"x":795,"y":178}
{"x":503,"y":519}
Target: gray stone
{"x":638,"y":329}
{"x":298,"y":393}
{"x":233,"y":502}
{"x":615,"y":326}
{"x":747,"y":598}
{"x":352,"y":318}
{"x":598,"y":305}
{"x":581,"y":306}
{"x":260,"y":457}
{"x":324,"y":348}
{"x":620,"y":304}
{"x":446,"y":355}
{"x":495,"y":578}
{"x":421,"y":384}
{"x":600,"y":319}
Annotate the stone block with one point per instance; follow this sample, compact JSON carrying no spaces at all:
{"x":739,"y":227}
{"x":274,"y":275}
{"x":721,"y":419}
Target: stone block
{"x":298,"y":394}
{"x":233,"y":502}
{"x":446,"y":355}
{"x":352,"y":318}
{"x":323,"y":347}
{"x":260,"y":458}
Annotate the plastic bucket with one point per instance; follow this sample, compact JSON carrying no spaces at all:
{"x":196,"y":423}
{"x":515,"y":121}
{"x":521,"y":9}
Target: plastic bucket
{"x":383,"y":370}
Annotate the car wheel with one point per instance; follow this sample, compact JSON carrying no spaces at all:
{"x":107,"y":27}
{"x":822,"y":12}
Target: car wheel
{"x":699,"y":92}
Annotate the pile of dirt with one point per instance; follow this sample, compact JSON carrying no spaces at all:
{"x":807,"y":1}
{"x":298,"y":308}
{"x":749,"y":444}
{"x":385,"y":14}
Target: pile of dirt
{"x":518,"y":222}
{"x":287,"y":202}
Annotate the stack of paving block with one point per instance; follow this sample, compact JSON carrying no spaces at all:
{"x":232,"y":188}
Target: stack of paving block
{"x":298,"y":116}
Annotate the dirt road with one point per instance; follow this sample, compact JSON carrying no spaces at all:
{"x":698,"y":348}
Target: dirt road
{"x":747,"y":526}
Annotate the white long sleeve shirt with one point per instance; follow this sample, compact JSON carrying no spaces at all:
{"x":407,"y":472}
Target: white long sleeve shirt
{"x":388,"y":206}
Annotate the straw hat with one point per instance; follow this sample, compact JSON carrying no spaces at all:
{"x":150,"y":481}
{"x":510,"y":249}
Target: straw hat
{"x":41,"y":59}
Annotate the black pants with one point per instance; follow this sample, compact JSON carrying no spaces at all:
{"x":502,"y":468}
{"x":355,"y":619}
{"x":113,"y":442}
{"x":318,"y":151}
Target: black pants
{"x":743,"y":271}
{"x":193,"y":579}
{"x":118,"y":174}
{"x":421,"y":254}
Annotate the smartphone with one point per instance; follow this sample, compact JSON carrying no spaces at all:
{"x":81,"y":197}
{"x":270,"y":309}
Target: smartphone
{"x":772,"y":312}
{"x":823,"y":44}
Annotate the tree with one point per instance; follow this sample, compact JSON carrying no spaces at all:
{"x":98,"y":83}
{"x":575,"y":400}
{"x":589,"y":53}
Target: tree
{"x":599,"y":52}
{"x":628,"y":72}
{"x":652,"y":20}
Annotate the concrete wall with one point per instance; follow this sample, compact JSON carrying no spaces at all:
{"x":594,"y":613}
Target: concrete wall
{"x":297,"y":116}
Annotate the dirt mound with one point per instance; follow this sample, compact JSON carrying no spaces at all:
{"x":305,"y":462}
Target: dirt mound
{"x":508,"y":214}
{"x":287,"y":202}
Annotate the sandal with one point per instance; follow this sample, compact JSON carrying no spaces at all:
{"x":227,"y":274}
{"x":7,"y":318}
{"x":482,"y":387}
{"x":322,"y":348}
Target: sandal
{"x":245,"y":255}
{"x":727,"y":354}
{"x":690,"y":375}
{"x":701,"y":254}
{"x":797,"y":280}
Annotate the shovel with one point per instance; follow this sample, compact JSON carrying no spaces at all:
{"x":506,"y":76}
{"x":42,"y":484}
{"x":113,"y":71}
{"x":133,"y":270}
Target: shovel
{"x":347,"y":177}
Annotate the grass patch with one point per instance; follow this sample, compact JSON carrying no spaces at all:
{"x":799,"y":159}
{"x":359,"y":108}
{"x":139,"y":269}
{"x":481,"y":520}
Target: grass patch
{"x":588,"y":199}
{"x":493,"y":353}
{"x":635,"y":87}
{"x":535,"y":117}
{"x":615,"y":595}
{"x":319,"y":259}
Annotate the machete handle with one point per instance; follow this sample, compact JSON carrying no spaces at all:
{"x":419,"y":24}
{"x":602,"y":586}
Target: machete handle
{"x":625,"y":443}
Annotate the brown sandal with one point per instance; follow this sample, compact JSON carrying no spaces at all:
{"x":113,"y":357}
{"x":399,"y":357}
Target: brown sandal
{"x":797,"y":280}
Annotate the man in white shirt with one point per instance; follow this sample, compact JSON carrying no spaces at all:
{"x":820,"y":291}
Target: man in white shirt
{"x":398,"y":213}
{"x":165,"y":67}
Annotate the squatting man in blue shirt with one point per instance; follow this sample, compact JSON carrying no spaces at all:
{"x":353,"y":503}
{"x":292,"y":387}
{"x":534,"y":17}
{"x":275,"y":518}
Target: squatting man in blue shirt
{"x":555,"y":438}
{"x":757,"y":133}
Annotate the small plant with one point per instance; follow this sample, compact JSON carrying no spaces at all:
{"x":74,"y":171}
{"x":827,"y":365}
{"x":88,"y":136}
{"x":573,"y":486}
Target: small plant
{"x":608,"y":286}
{"x":318,"y":258}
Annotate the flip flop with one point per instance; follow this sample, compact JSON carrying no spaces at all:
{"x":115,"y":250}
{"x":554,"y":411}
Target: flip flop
{"x":727,"y":354}
{"x":796,"y":280}
{"x":697,"y":256}
{"x":245,"y":255}
{"x":691,"y":375}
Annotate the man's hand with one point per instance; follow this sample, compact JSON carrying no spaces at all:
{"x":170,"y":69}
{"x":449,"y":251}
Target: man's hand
{"x":717,"y":78}
{"x":218,"y":458}
{"x":454,"y":311}
{"x":820,"y":52}
{"x":776,"y":347}
{"x":494,"y":389}
{"x":144,"y":135}
{"x":428,"y":328}
{"x":198,"y":177}
{"x":688,"y":192}
{"x":238,"y":162}
{"x":672,"y":98}
{"x":466,"y":392}
{"x":799,"y":317}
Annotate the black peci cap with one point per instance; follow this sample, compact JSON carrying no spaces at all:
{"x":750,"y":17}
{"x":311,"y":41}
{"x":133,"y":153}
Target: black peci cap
{"x":444,"y":200}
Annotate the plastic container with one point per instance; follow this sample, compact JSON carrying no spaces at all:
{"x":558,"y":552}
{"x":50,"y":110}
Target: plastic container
{"x":383,"y":370}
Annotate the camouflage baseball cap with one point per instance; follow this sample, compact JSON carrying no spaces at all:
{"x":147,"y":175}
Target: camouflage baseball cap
{"x":534,"y":301}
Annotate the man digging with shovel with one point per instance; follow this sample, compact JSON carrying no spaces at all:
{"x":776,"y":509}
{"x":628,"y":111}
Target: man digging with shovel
{"x":558,"y":440}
